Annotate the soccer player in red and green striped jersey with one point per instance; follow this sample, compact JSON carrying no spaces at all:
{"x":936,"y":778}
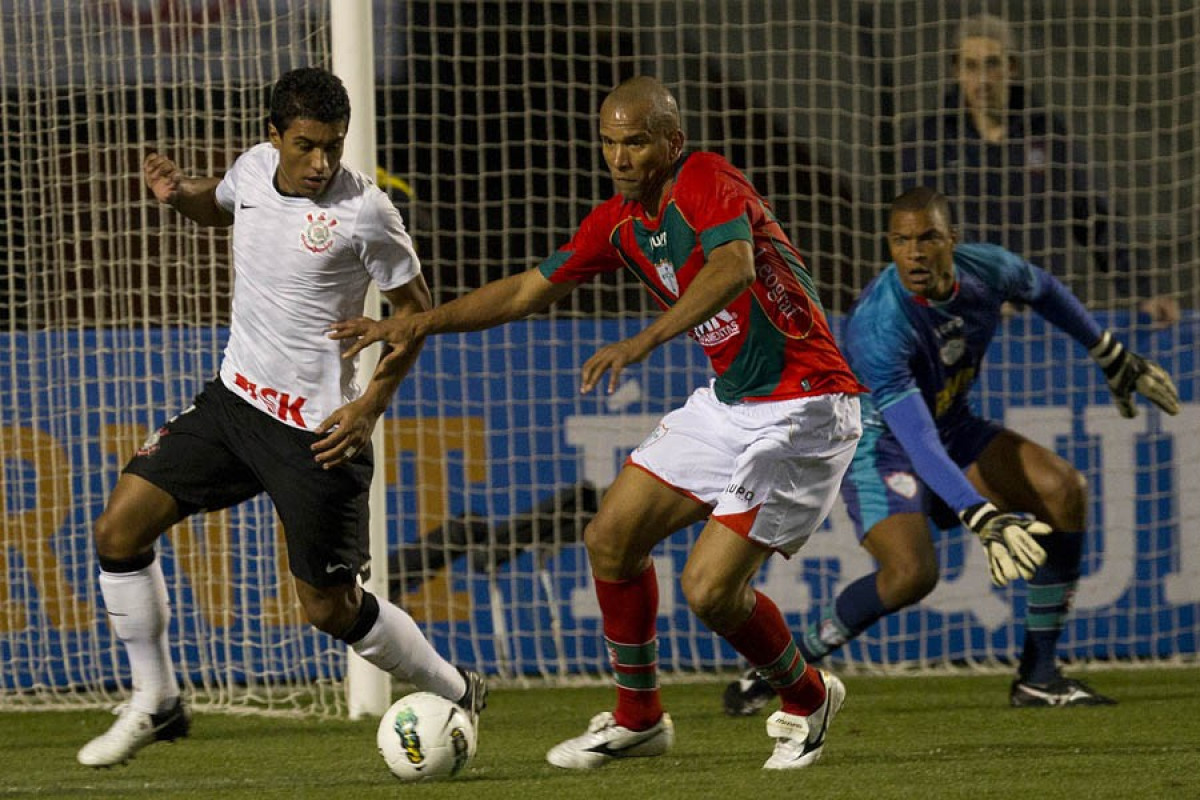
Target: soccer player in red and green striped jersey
{"x":759,"y":453}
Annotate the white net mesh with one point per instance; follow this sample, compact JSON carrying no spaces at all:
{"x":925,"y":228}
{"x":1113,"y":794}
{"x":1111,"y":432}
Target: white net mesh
{"x":114,"y":315}
{"x":114,"y":312}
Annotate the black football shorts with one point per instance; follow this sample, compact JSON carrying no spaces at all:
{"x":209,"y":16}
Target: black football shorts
{"x":222,"y":451}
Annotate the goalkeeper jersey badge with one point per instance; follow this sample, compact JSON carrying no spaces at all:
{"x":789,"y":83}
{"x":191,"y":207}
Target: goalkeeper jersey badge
{"x":952,"y":351}
{"x":317,"y":236}
{"x":952,"y":336}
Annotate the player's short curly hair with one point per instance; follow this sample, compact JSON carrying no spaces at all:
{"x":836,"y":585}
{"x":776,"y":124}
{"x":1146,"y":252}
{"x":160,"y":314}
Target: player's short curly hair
{"x":308,"y":93}
{"x":923,"y":198}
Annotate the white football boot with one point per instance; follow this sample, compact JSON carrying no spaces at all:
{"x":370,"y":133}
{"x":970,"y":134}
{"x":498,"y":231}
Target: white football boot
{"x":605,"y":740}
{"x":132,"y":731}
{"x":800,"y":740}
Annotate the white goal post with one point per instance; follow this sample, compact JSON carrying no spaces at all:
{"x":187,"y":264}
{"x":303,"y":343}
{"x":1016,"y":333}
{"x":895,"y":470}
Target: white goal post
{"x":479,"y":119}
{"x":368,"y":690}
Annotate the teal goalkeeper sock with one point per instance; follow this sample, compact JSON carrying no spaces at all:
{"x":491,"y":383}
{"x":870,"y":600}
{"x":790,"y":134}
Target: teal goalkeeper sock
{"x":857,"y":608}
{"x":1051,"y":590}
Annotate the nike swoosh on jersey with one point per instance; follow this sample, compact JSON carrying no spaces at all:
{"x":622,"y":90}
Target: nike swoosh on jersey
{"x":336,"y":567}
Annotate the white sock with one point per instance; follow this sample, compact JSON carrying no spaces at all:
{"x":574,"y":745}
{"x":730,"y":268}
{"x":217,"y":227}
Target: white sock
{"x":138,"y":612}
{"x":396,"y":645}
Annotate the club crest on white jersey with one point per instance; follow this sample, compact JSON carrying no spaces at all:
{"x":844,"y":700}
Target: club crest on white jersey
{"x":317,"y":236}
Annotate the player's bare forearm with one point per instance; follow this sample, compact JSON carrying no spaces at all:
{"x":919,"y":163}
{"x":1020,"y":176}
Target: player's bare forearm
{"x":389,"y":373}
{"x":349,"y":428}
{"x":496,"y":303}
{"x":408,"y":301}
{"x":195,"y":198}
{"x":488,"y":306}
{"x":728,"y":272}
{"x":394,"y":365}
{"x":198,"y":202}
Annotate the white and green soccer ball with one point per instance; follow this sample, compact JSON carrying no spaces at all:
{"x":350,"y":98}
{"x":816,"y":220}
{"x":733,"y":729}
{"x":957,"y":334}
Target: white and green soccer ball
{"x":424,"y":736}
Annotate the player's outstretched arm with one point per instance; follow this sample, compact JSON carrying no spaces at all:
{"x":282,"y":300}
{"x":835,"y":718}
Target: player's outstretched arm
{"x":195,"y":198}
{"x":348,"y":429}
{"x":1128,"y":372}
{"x":490,"y":305}
{"x":728,"y":272}
{"x":1008,"y":540}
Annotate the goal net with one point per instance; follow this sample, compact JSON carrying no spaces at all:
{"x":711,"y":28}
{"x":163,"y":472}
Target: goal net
{"x":114,"y":311}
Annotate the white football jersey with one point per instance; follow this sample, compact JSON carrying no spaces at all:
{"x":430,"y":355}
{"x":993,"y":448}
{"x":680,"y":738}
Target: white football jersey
{"x":299,"y":265}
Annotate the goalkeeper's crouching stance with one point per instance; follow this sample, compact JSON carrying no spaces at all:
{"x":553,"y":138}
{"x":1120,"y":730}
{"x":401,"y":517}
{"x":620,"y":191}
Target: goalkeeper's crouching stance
{"x":916,"y":337}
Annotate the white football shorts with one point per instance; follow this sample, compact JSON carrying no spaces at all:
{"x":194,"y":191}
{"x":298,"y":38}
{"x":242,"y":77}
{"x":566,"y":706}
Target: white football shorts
{"x":770,"y":470}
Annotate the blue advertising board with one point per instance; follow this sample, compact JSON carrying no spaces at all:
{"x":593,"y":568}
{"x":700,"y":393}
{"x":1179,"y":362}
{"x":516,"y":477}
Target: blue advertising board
{"x":494,"y":423}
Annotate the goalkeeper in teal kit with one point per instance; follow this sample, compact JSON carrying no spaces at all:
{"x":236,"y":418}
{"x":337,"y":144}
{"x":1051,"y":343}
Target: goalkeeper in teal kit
{"x":916,"y":337}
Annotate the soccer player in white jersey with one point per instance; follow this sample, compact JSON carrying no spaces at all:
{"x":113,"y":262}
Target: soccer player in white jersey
{"x":284,"y":417}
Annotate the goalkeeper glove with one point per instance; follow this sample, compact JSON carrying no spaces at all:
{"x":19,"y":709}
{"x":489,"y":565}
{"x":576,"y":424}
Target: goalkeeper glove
{"x":1128,"y":372}
{"x":1008,"y":540}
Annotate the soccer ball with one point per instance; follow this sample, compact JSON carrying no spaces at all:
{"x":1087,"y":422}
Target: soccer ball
{"x":424,"y":736}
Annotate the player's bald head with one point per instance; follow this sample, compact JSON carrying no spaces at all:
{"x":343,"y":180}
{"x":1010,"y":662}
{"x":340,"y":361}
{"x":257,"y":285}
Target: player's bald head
{"x":646,"y":97}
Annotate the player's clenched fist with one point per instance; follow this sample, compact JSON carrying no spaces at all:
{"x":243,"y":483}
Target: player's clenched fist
{"x":163,"y":178}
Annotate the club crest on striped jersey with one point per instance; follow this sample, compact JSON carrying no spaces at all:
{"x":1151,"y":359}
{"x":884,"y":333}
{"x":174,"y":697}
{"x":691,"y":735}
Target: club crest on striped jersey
{"x":666,"y":274}
{"x":317,"y":236}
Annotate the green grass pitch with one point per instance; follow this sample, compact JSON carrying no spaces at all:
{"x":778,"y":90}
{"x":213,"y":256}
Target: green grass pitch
{"x":899,"y":737}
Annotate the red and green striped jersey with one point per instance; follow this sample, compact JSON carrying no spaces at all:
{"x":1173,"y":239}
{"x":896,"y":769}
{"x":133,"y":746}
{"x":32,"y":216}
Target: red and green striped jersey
{"x":773,"y":341}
